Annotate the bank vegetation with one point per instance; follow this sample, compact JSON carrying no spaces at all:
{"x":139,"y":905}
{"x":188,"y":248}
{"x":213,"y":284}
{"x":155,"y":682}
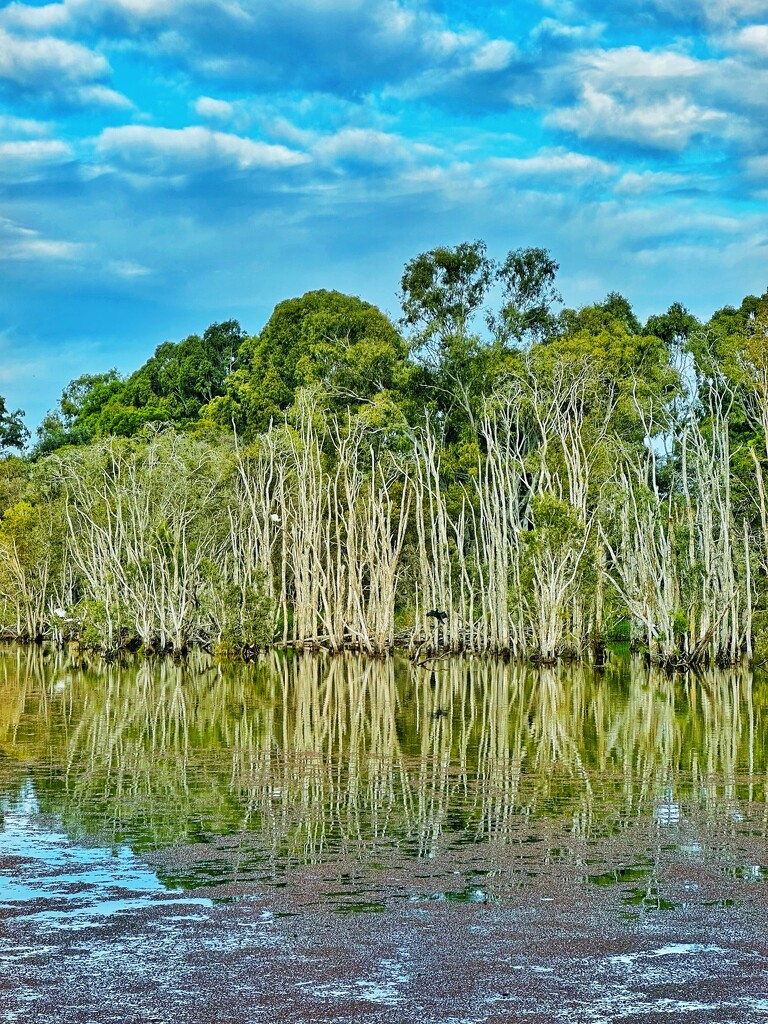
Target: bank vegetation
{"x":535,"y":491}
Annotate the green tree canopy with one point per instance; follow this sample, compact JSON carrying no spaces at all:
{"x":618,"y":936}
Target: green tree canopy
{"x":441,"y":290}
{"x":675,"y":327}
{"x":78,"y":417}
{"x":442,"y":293}
{"x":716,"y":345}
{"x":173,"y":385}
{"x":181,"y":378}
{"x":527,"y":279}
{"x":608,"y":336}
{"x":13,"y":433}
{"x":323,"y":337}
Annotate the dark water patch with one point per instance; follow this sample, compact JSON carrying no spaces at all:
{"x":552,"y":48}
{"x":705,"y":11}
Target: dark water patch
{"x":620,"y":875}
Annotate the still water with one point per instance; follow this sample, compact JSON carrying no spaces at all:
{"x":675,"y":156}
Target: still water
{"x":354,"y":787}
{"x":500,"y":772}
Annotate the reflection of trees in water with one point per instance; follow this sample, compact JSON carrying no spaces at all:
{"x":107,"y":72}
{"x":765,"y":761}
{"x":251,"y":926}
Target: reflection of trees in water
{"x":327,"y":768}
{"x":17,"y":682}
{"x":311,"y":752}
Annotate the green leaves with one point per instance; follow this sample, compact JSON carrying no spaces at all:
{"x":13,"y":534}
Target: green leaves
{"x":174,"y":386}
{"x":325,"y":338}
{"x":442,"y":289}
{"x":13,"y":433}
{"x":527,"y":279}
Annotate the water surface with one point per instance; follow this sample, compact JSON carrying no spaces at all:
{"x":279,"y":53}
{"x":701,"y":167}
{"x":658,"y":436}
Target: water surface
{"x":618,"y":804}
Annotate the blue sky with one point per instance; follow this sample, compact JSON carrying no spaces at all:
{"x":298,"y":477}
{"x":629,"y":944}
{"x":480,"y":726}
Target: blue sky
{"x":168,"y":163}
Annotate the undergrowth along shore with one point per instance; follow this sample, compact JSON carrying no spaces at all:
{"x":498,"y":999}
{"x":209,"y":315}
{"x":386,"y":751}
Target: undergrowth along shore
{"x":328,"y":533}
{"x":345,"y":482}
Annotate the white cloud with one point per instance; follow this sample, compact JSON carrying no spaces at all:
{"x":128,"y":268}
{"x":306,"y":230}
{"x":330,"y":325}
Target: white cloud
{"x":179,"y":151}
{"x":714,"y":12}
{"x":555,"y":163}
{"x":216,"y":110}
{"x":753,"y":38}
{"x":663,"y":99}
{"x":43,"y":249}
{"x":631,"y":67}
{"x":128,"y":269}
{"x":52,"y":16}
{"x":23,"y":160}
{"x":552,"y":29}
{"x":56,"y":70}
{"x":338,"y":46}
{"x":284,"y":129}
{"x":20,"y":243}
{"x":650,"y":98}
{"x":149,"y":9}
{"x":495,"y":55}
{"x":41,"y":19}
{"x":757,"y":168}
{"x":102,"y":96}
{"x":638,"y":183}
{"x":667,"y":124}
{"x":365,"y":145}
{"x":26,"y":126}
{"x":26,"y":61}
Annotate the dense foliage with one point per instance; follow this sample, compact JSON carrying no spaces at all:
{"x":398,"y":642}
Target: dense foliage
{"x":492,"y":473}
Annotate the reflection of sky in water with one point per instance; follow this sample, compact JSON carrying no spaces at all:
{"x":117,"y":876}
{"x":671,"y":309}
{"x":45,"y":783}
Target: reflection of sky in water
{"x":75,"y":883}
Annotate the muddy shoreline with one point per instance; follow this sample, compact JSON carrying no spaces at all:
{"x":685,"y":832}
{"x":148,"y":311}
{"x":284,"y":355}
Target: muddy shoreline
{"x":556,"y":950}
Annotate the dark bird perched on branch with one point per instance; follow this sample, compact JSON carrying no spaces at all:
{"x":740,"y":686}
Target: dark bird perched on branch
{"x":440,"y":616}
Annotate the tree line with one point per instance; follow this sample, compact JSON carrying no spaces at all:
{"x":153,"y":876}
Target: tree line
{"x":492,"y":473}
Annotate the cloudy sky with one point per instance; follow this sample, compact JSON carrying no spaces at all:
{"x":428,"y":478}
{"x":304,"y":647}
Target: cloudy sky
{"x":168,"y":163}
